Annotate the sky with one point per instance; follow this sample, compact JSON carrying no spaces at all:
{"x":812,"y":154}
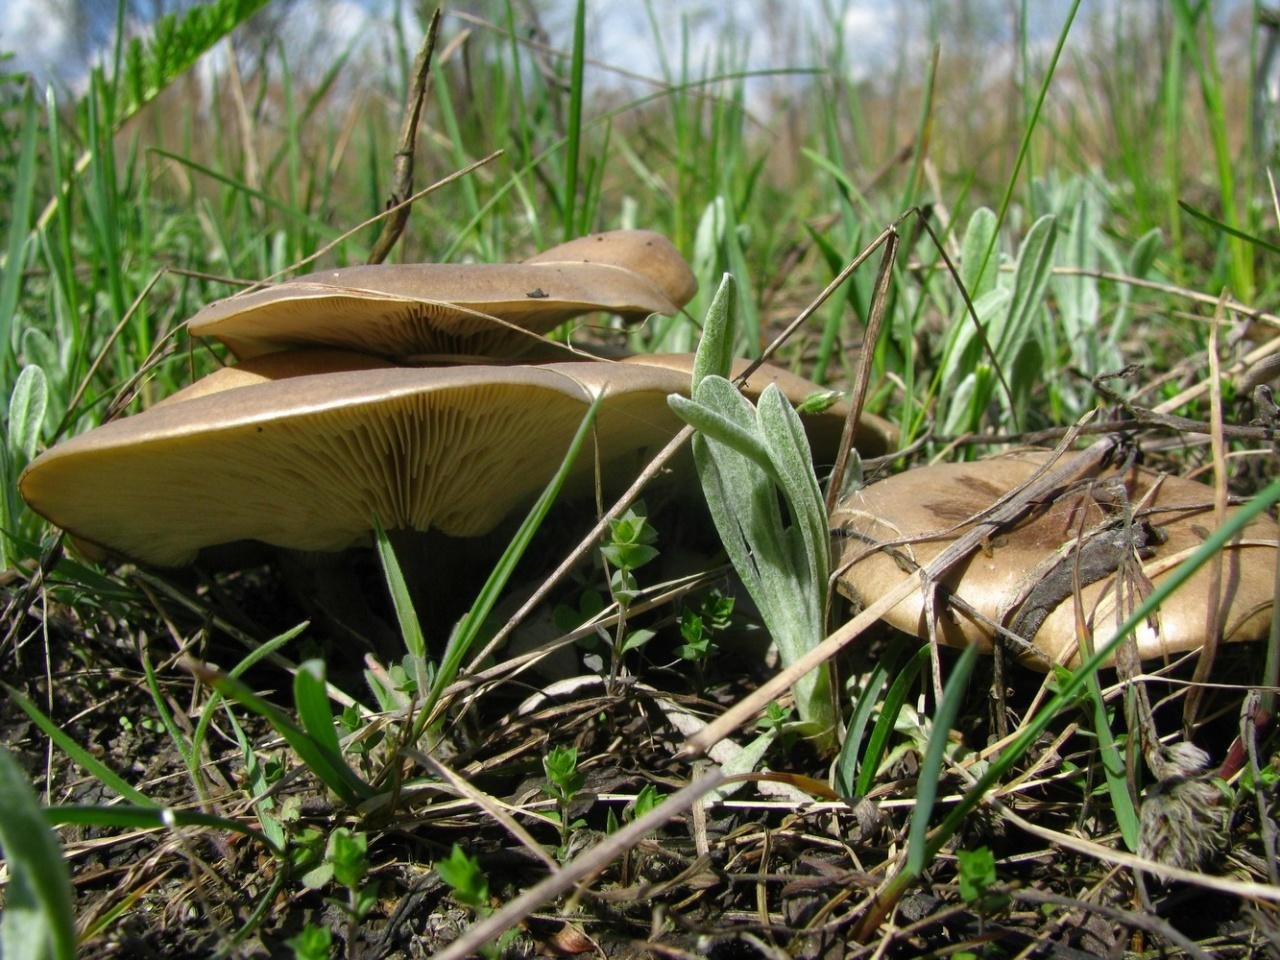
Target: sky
{"x":50,"y":43}
{"x":55,"y":45}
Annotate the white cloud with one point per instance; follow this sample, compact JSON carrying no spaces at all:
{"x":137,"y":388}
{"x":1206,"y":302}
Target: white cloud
{"x":39,"y":34}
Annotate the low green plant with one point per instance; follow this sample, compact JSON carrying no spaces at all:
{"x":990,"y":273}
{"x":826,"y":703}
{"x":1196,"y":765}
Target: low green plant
{"x":346,"y":863}
{"x":312,"y":942}
{"x":315,"y":742}
{"x":648,"y":798}
{"x":857,"y":766}
{"x":1005,"y":358}
{"x":699,"y":627}
{"x":750,"y":461}
{"x":468,"y":884}
{"x":466,"y":881}
{"x":976,"y":874}
{"x":564,"y":782}
{"x":628,"y":546}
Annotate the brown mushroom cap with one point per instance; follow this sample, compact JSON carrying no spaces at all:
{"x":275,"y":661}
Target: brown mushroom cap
{"x":874,"y":437}
{"x":404,"y":310}
{"x":1024,"y":581}
{"x":308,"y":461}
{"x":643,"y":252}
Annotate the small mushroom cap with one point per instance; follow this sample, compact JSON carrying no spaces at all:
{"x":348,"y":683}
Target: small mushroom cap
{"x":643,"y":252}
{"x":308,"y":461}
{"x":1025,"y":578}
{"x":874,"y":437}
{"x":406,"y":310}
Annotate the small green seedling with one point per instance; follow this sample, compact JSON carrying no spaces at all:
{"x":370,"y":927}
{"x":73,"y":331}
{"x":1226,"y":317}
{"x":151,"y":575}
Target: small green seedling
{"x":648,"y":798}
{"x":564,"y":782}
{"x":313,"y":942}
{"x":466,"y":881}
{"x":775,"y":715}
{"x":978,"y":878}
{"x":697,"y":627}
{"x":470,"y":887}
{"x":628,"y":546}
{"x":346,"y":863}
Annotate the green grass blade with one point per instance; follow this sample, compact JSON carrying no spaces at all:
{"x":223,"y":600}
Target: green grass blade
{"x":1172,"y":112}
{"x":1229,"y":229}
{"x":87,"y":761}
{"x":468,"y":630}
{"x":888,"y":719}
{"x":1113,"y":766}
{"x":402,"y":602}
{"x":574,"y":133}
{"x":311,"y":700}
{"x":295,"y":215}
{"x":254,"y":656}
{"x":846,"y":769}
{"x":21,"y":201}
{"x":256,"y":783}
{"x":148,"y":817}
{"x":1202,"y":48}
{"x":930,"y":777}
{"x":331,"y":769}
{"x":166,"y":716}
{"x":1032,"y":121}
{"x":38,"y":922}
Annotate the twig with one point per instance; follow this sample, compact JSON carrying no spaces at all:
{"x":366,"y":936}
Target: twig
{"x":1238,"y":888}
{"x":402,"y":180}
{"x":866,"y":359}
{"x":490,"y":805}
{"x":581,"y":867}
{"x":1231,"y":303}
{"x":1126,"y":425}
{"x":1148,"y":923}
{"x":1215,"y":624}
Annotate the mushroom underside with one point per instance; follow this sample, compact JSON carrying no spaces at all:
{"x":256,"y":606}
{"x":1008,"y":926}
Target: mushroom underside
{"x":456,"y":459}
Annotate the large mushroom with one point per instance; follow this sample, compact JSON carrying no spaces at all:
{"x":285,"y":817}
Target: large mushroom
{"x":1025,"y":579}
{"x":308,"y":461}
{"x":436,"y":310}
{"x":302,"y":449}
